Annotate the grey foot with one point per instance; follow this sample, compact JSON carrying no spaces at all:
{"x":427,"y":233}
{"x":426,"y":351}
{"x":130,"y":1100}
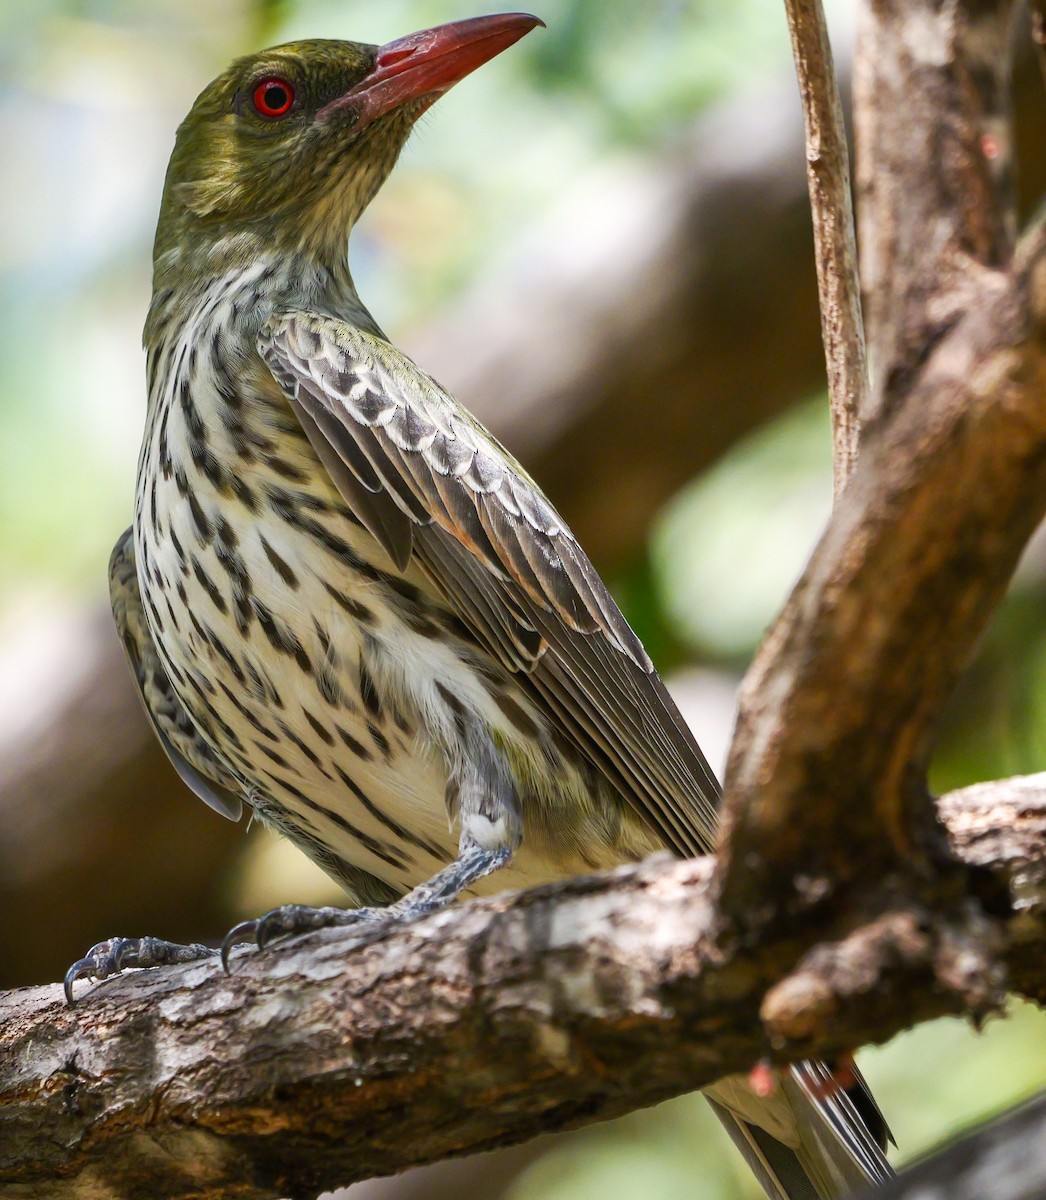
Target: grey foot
{"x":436,"y":893}
{"x":291,"y":919}
{"x":113,"y":955}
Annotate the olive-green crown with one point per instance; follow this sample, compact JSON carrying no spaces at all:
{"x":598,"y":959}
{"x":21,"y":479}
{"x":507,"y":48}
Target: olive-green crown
{"x":298,"y":181}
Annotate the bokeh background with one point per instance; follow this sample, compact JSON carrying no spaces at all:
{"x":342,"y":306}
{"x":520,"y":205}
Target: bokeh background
{"x":600,"y":242}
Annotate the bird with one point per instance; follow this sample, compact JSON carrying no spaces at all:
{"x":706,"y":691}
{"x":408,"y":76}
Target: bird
{"x":348,"y":608}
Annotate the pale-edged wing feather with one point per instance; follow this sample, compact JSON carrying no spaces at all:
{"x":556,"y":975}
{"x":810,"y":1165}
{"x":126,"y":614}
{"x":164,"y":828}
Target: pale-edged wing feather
{"x":430,"y":484}
{"x":357,"y":480}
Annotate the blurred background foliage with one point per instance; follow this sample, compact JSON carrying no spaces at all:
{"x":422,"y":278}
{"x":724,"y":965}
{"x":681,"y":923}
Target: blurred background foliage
{"x":90,"y":94}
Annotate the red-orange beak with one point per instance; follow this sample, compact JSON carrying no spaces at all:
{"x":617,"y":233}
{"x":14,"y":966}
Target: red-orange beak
{"x":428,"y":63}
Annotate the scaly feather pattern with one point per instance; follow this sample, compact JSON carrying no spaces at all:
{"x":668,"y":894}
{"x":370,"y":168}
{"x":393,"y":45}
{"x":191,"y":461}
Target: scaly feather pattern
{"x":430,"y":483}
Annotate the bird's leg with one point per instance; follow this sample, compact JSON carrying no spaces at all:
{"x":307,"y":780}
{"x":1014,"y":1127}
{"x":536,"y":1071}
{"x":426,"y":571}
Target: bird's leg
{"x":442,"y":889}
{"x":447,"y":885}
{"x":111,"y":956}
{"x":491,"y":831}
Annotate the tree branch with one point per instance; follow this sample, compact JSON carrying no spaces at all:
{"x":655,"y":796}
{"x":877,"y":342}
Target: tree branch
{"x":843,"y":697}
{"x":935,"y":177}
{"x":845,"y":693}
{"x":1005,"y":1160}
{"x":337,"y":1057}
{"x":828,"y":177}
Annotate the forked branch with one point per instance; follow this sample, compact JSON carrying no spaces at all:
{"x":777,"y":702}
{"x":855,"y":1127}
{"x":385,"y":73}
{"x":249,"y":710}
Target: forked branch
{"x":826,"y":782}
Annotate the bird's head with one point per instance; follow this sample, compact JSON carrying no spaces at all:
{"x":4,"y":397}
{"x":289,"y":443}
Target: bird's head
{"x":291,"y":144}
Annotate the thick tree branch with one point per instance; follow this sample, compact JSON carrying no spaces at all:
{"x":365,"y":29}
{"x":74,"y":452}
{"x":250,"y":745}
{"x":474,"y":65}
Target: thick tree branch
{"x":1005,"y":1160}
{"x":843,"y":697}
{"x":846,"y":691}
{"x":934,"y":173}
{"x":337,"y":1058}
{"x":828,"y":178}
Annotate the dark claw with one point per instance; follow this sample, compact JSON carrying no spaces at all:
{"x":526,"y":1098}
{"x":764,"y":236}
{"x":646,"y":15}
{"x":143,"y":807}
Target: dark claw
{"x":81,"y":967}
{"x":111,"y":956}
{"x":102,"y":960}
{"x":292,"y":919}
{"x":246,"y":931}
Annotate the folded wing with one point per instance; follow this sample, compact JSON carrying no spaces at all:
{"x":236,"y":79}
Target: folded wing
{"x":432,"y":486}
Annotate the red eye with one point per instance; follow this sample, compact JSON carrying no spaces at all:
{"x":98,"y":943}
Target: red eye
{"x":273,"y":97}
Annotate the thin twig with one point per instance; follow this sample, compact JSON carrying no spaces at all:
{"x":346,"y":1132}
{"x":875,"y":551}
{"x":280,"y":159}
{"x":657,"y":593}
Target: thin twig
{"x":828,"y":177}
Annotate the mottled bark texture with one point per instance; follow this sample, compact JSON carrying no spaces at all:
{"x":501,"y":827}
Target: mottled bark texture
{"x":337,"y":1058}
{"x":826,"y":784}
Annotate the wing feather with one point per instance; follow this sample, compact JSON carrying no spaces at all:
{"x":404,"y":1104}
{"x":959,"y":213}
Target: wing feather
{"x":434,"y":487}
{"x":631,"y":723}
{"x":357,"y":481}
{"x":474,"y":595}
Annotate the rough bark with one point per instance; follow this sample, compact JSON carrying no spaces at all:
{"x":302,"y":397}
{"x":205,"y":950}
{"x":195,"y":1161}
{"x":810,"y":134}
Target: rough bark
{"x":846,"y":692}
{"x":935,"y":175}
{"x":338,"y":1057}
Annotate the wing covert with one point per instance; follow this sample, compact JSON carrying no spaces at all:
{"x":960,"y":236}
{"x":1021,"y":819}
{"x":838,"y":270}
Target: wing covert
{"x":431,"y":484}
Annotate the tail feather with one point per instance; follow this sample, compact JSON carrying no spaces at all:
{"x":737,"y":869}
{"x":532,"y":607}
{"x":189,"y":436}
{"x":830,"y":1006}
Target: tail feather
{"x":805,"y":1142}
{"x":775,"y":1166}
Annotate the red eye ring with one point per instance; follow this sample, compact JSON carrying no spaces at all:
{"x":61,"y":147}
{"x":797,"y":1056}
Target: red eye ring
{"x":273,"y":97}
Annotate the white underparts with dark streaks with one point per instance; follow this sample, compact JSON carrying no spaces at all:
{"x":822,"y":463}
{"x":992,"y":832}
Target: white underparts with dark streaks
{"x":339,"y":691}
